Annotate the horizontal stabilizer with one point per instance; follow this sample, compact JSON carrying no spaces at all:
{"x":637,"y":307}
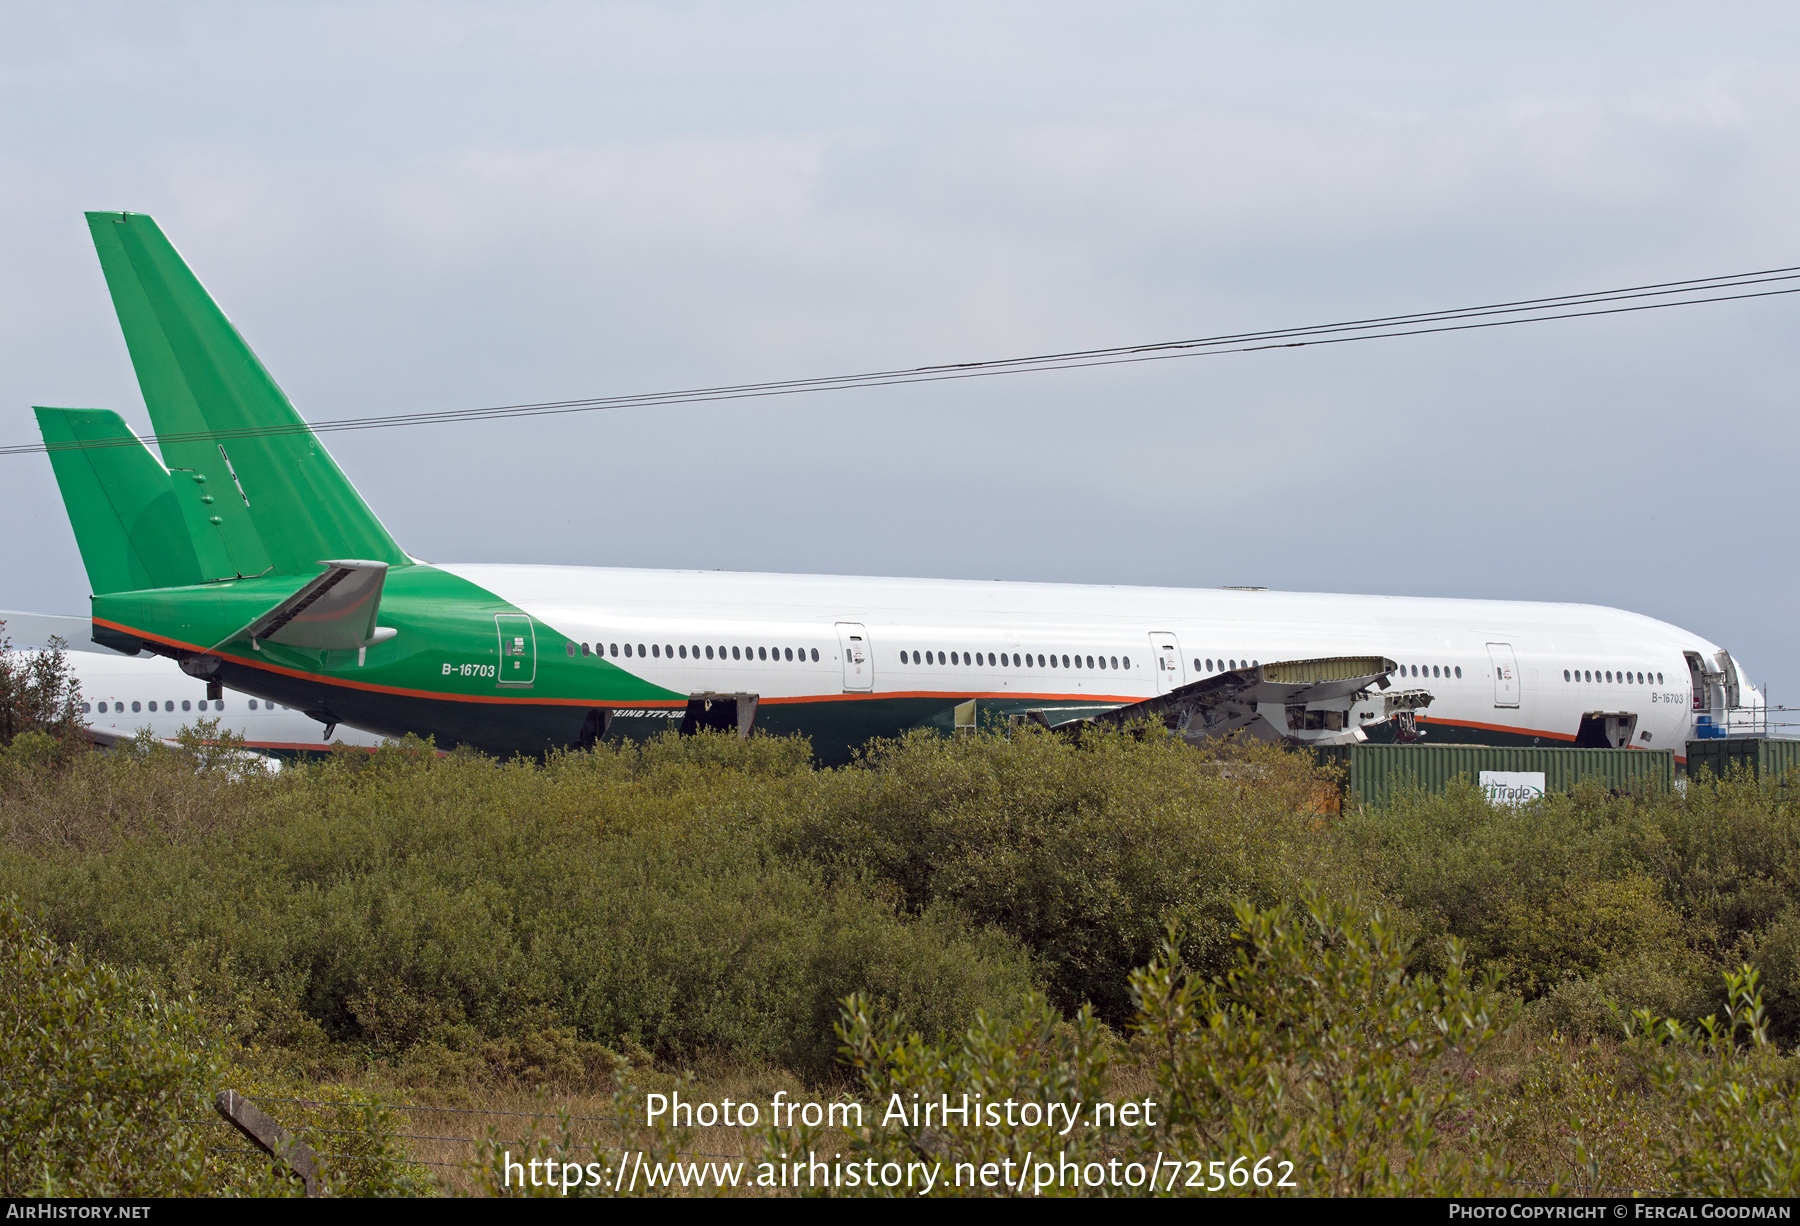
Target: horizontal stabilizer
{"x":334,"y":612}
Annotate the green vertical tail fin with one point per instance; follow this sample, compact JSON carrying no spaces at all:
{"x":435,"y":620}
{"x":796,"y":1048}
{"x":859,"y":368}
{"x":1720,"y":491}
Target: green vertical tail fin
{"x":280,"y":501}
{"x":122,"y":503}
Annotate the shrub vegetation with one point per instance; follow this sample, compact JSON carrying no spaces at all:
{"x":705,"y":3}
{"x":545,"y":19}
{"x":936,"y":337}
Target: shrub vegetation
{"x":1126,"y":910}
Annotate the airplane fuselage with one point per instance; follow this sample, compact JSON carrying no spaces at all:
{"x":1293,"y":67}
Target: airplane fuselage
{"x":522,"y":658}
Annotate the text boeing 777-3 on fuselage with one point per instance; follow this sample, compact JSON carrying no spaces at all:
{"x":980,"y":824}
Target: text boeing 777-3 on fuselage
{"x":245,"y":554}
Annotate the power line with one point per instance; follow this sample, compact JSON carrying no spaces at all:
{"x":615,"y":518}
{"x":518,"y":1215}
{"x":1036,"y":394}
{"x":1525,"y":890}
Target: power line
{"x":1630,"y":299}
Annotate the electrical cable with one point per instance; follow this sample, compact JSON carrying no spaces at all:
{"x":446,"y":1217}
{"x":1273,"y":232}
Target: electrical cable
{"x":1693,"y":292}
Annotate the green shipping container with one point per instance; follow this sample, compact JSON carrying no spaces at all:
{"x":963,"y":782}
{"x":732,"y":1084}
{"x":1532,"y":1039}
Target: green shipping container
{"x":1761,"y":755}
{"x":1372,"y":772}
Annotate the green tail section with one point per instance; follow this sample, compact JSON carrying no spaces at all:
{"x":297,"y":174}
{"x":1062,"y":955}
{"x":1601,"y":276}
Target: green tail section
{"x":127,"y":516}
{"x":279,"y":501}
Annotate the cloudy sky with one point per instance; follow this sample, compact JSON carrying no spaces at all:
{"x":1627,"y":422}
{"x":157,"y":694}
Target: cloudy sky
{"x":439,"y":206}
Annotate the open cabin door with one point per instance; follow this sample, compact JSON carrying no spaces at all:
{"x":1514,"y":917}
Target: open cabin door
{"x":1506,"y":674}
{"x":859,"y":661}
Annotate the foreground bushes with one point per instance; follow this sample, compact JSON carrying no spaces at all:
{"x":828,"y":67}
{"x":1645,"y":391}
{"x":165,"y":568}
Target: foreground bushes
{"x":1595,"y":905}
{"x":403,"y":900}
{"x":1084,"y":855}
{"x":1320,"y":1063}
{"x":713,"y":895}
{"x":101,"y":1072}
{"x":454,"y":919}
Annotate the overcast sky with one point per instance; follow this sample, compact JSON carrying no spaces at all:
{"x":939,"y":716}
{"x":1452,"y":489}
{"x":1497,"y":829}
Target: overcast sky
{"x":417,"y":206}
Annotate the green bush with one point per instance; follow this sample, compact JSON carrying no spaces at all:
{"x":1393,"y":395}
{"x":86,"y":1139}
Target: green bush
{"x":1595,"y":904}
{"x":1737,"y":1098}
{"x":1084,"y":853}
{"x":398,"y":899}
{"x":1316,"y":1062}
{"x":39,"y":696}
{"x":101,"y":1073}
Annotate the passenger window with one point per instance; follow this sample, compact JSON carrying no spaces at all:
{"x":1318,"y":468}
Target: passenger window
{"x":1052,"y":659}
{"x":787,"y":653}
{"x":990,"y":659}
{"x":709,"y":652}
{"x":734,"y":653}
{"x":615,"y":649}
{"x":1565,"y":674}
{"x":762,"y":653}
{"x":1459,"y":672}
{"x":153,"y":708}
{"x":1434,"y":670}
{"x":1609,"y":676}
{"x":88,"y":707}
{"x":218,"y":704}
{"x":1065,"y":660}
{"x":1126,"y":661}
{"x":1659,"y":679}
{"x":569,"y":648}
{"x":668,"y":651}
{"x":815,"y":655}
{"x":253,"y":704}
{"x":185,"y":705}
{"x":942,"y":659}
{"x":656,"y":650}
{"x":585,"y":651}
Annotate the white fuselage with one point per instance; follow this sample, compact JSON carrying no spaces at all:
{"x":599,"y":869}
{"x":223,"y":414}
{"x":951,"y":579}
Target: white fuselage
{"x":1513,"y":668}
{"x":125,"y":695}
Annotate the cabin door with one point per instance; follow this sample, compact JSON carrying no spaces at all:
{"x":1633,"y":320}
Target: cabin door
{"x":1506,"y":674}
{"x":518,"y":649}
{"x":1165,"y":658}
{"x":859,"y":661}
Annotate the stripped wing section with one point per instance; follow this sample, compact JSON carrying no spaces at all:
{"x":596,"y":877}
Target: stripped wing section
{"x":1308,"y":701}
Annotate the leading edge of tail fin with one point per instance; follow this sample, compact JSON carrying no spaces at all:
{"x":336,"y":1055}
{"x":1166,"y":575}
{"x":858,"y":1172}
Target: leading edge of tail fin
{"x":290,"y":505}
{"x":122,"y":503}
